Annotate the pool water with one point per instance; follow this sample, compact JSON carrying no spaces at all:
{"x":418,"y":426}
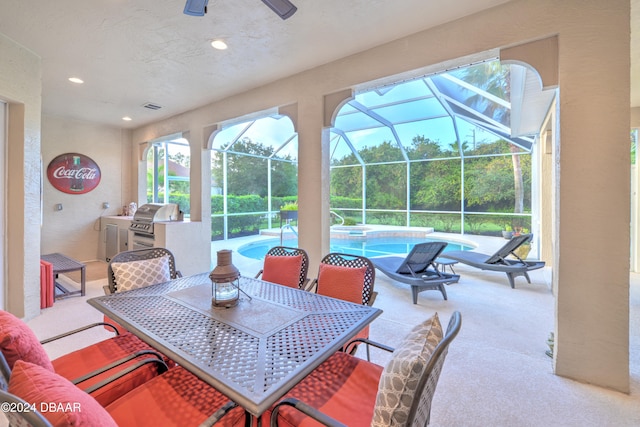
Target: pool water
{"x":369,"y":248}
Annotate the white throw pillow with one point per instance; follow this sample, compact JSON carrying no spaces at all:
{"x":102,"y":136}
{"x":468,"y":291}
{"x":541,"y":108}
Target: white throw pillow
{"x":138,"y":274}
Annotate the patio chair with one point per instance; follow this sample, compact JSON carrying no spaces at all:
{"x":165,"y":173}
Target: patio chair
{"x":418,"y":269}
{"x":350,"y":278}
{"x":286,"y":266}
{"x":176,"y":398}
{"x":139,"y":268}
{"x":136,"y":269}
{"x":106,"y":370}
{"x":347,"y":277}
{"x":348,"y":391}
{"x":499,"y":261}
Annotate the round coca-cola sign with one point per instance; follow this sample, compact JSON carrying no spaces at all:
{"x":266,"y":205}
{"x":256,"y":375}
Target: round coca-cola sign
{"x":73,"y":173}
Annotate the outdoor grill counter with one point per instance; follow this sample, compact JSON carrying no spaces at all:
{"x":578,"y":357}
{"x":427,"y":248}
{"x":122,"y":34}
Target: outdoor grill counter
{"x":158,"y":225}
{"x":142,"y":225}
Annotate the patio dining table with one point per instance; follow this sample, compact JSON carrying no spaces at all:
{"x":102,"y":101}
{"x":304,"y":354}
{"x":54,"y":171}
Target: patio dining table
{"x":254,"y":352}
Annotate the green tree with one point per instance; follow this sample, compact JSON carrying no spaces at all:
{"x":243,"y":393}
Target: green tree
{"x":489,"y":181}
{"x":284,"y":178}
{"x":424,"y":148}
{"x":435,"y":184}
{"x":347,"y":182}
{"x":247,"y":170}
{"x":387,"y":186}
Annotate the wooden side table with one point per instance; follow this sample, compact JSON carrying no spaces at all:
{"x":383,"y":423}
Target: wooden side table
{"x":64,"y":264}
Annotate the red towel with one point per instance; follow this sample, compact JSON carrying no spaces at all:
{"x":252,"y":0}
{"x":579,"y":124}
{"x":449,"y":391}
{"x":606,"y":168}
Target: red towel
{"x":47,"y":291}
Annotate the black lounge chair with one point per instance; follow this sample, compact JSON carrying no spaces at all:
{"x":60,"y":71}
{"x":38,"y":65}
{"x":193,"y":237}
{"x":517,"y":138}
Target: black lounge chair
{"x":414,"y":269}
{"x":498,"y":261}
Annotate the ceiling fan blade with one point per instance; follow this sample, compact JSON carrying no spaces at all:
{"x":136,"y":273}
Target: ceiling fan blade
{"x":196,"y":7}
{"x":284,"y":8}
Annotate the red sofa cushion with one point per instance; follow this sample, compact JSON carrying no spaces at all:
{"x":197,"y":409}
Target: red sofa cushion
{"x":72,"y":406}
{"x":18,"y":342}
{"x":284,"y":270}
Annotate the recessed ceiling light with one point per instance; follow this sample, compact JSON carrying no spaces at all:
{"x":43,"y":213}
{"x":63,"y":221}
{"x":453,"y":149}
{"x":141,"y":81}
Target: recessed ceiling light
{"x":126,"y":118}
{"x":76,"y":80}
{"x":219,"y":44}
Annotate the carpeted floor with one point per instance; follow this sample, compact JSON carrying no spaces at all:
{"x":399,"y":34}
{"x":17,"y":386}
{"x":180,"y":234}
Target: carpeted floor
{"x":496,"y":373}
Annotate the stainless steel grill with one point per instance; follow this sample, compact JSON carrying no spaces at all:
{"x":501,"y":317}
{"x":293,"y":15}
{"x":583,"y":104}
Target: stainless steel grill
{"x":145,"y":217}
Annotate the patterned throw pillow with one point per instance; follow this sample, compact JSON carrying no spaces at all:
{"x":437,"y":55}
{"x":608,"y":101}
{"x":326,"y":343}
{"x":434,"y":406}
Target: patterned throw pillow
{"x":400,"y":377}
{"x":138,"y":274}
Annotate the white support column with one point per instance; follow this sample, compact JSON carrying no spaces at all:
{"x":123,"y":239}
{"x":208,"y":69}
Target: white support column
{"x":313,"y":184}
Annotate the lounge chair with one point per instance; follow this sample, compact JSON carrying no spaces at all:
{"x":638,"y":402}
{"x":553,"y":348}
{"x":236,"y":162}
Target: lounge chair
{"x":499,"y":261}
{"x":418,"y":269}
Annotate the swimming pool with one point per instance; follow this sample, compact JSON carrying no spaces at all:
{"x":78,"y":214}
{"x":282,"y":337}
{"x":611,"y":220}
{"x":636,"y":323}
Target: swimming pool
{"x":371,"y":247}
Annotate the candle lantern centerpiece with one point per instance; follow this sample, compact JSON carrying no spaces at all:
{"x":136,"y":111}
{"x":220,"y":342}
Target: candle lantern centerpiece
{"x":225,"y":282}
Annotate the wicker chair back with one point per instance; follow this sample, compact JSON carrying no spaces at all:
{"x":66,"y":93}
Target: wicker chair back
{"x":355,"y":261}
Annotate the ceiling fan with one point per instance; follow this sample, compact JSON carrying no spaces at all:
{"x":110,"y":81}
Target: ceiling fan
{"x":283,"y":8}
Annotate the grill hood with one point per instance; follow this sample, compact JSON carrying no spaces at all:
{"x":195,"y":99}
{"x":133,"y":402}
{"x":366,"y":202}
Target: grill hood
{"x":153,"y":212}
{"x":149,"y":213}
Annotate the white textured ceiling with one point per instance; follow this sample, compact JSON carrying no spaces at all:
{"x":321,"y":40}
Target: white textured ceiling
{"x":130,"y":52}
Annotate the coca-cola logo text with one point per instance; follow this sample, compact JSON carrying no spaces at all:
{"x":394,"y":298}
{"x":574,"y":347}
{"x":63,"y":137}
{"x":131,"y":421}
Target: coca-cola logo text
{"x":73,"y":173}
{"x":82,"y":173}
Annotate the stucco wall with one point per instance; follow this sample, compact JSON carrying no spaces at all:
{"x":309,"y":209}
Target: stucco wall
{"x":635,"y":117}
{"x":75,"y":231}
{"x":592,"y":221}
{"x":20,"y":76}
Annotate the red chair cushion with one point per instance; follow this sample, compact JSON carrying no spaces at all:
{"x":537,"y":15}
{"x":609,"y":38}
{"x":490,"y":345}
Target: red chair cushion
{"x":80,"y":362}
{"x":343,"y":387}
{"x":61,"y":402}
{"x":18,"y":342}
{"x":175,"y":398}
{"x":344,"y":283}
{"x":284,"y":270}
{"x":121,"y":329}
